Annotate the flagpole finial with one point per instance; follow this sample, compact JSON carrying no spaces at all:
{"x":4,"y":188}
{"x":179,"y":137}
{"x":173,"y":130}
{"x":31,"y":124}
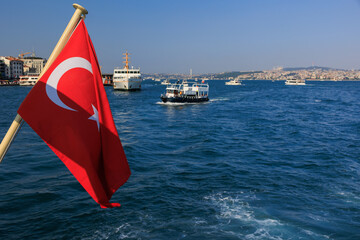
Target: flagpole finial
{"x":81,"y":8}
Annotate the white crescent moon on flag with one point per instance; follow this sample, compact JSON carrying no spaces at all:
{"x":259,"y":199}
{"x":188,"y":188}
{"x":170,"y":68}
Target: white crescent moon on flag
{"x":59,"y":71}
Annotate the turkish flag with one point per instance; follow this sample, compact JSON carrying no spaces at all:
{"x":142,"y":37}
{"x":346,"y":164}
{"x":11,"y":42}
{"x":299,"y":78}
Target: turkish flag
{"x":69,"y":110}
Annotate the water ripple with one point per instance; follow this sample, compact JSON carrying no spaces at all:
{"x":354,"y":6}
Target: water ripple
{"x":260,"y":161}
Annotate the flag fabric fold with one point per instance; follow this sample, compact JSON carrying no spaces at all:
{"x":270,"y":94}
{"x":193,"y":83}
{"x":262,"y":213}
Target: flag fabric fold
{"x":69,"y":110}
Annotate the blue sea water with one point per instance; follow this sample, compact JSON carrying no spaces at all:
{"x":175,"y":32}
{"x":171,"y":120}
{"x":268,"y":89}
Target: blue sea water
{"x":258,"y":161}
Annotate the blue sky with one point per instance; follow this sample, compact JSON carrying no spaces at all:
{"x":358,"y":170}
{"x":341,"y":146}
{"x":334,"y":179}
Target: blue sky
{"x":207,"y":36}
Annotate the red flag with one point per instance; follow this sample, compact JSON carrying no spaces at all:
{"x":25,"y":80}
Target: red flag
{"x":69,"y":110}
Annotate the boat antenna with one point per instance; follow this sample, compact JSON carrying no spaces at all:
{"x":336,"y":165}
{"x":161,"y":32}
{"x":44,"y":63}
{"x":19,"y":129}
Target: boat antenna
{"x":126,"y":61}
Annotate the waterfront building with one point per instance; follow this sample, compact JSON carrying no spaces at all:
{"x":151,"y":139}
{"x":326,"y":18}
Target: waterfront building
{"x":13,"y":67}
{"x":2,"y":69}
{"x":33,"y":64}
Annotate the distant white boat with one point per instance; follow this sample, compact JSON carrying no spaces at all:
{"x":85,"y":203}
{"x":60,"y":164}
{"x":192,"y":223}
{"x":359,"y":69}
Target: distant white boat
{"x":28,"y":80}
{"x":295,"y":82}
{"x":128,"y":79}
{"x":233,"y":82}
{"x":165,"y":82}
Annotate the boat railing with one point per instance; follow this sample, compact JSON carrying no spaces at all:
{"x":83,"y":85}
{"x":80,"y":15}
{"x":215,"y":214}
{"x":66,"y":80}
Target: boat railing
{"x":175,"y":86}
{"x":200,"y":85}
{"x":188,"y":86}
{"x":121,"y":68}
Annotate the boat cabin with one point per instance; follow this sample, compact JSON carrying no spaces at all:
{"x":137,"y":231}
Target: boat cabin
{"x":186,"y":92}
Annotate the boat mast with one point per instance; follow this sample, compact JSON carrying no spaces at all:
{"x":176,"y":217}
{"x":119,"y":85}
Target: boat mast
{"x":126,"y":61}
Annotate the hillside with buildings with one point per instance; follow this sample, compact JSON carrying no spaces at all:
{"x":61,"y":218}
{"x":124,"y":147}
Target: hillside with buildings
{"x":308,"y":73}
{"x":11,"y":68}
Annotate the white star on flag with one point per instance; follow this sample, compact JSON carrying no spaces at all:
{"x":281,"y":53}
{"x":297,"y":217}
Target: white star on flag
{"x":95,"y":117}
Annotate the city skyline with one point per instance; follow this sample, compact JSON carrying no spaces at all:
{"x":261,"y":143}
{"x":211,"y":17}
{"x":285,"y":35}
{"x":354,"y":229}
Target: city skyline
{"x":205,"y":36}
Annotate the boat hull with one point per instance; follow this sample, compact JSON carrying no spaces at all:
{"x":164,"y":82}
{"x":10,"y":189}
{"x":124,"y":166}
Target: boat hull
{"x":128,"y":84}
{"x":186,"y":99}
{"x":295,"y":82}
{"x":26,"y":84}
{"x":228,"y":83}
{"x":300,"y":84}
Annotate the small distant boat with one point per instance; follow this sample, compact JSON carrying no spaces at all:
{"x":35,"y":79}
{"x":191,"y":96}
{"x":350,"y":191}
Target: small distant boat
{"x":186,"y":92}
{"x":294,"y":81}
{"x":165,"y":82}
{"x":127,"y":79}
{"x":233,"y":82}
{"x":8,"y":83}
{"x":28,"y":80}
{"x":107,"y":79}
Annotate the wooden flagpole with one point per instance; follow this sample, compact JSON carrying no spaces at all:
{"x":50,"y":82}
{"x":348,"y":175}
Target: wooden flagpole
{"x":16,"y":124}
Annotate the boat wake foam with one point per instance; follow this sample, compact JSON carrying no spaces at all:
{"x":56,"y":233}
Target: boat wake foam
{"x":219,"y":99}
{"x":178,"y":104}
{"x":234,"y":210}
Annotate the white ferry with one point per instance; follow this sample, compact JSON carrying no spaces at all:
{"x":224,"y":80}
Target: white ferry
{"x":127,"y":79}
{"x":294,"y":81}
{"x":28,"y":80}
{"x":165,"y":82}
{"x":233,"y":82}
{"x":186,"y":92}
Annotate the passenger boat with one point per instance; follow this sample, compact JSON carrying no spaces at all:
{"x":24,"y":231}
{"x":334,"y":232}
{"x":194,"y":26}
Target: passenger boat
{"x":294,"y":81}
{"x":127,"y":79}
{"x":165,"y":82}
{"x":186,"y":92}
{"x":28,"y":80}
{"x":4,"y":83}
{"x":233,"y":82}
